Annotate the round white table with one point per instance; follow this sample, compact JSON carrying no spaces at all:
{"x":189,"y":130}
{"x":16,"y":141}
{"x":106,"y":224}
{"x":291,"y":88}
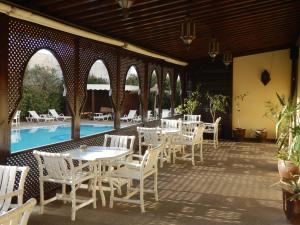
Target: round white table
{"x":99,"y":154}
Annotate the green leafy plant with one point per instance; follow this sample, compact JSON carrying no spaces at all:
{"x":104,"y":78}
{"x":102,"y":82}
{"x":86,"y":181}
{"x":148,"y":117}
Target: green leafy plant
{"x":217,"y":103}
{"x":238,"y":100}
{"x":291,"y":185}
{"x":191,"y":103}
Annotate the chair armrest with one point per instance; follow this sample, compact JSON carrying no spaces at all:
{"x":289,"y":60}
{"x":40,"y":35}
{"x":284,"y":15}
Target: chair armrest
{"x":129,"y":164}
{"x":83,"y":165}
{"x":11,"y":194}
{"x":137,"y":156}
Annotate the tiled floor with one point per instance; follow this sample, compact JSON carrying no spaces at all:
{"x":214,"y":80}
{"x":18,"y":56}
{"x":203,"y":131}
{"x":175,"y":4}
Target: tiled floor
{"x":232,"y":186}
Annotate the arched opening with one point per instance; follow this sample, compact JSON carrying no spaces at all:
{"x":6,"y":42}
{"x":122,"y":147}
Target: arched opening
{"x":131,"y":112}
{"x":166,"y":101}
{"x":153,"y":103}
{"x":42,"y":113}
{"x":178,"y":99}
{"x":98,"y":112}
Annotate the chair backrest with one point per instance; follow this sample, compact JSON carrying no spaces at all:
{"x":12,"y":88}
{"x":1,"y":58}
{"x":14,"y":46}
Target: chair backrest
{"x":17,"y":114}
{"x":167,"y":123}
{"x":198,"y":134}
{"x":149,"y":136}
{"x":132,"y":114}
{"x":53,"y":112}
{"x":192,"y":118}
{"x":58,"y":166}
{"x":34,"y":114}
{"x":216,"y":125}
{"x":19,"y":215}
{"x":165,"y":113}
{"x":150,"y":158}
{"x":8,"y":175}
{"x":119,"y":141}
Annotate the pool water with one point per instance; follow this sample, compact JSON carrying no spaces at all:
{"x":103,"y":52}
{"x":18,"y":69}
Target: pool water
{"x":28,"y":138}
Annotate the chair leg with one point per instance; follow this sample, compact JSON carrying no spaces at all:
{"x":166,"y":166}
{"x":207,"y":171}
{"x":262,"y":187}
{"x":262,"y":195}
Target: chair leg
{"x":111,"y":201}
{"x":73,"y":199}
{"x":215,"y":144}
{"x":94,"y":193}
{"x":162,"y":159}
{"x":201,"y":152}
{"x":142,"y":195}
{"x":193,"y":156}
{"x":64,"y":192}
{"x":42,"y":198}
{"x":155,"y":187}
{"x":101,"y":192}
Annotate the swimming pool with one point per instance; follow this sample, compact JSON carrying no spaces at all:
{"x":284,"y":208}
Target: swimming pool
{"x":28,"y":138}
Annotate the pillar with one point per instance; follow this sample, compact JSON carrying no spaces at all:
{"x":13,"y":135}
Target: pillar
{"x":4,"y":107}
{"x":76,"y":104}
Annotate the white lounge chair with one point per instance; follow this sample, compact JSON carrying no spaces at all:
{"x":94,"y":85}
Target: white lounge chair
{"x":8,"y":175}
{"x":16,"y":120}
{"x":33,"y":116}
{"x":19,"y":215}
{"x":101,"y":116}
{"x":57,"y":116}
{"x":131,"y":115}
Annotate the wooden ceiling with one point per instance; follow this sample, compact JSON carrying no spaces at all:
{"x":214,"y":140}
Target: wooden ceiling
{"x":241,"y":26}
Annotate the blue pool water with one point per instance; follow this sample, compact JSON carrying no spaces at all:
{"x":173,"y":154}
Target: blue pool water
{"x":22,"y":139}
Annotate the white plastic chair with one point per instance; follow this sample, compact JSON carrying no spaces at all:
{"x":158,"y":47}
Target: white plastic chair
{"x":193,"y":140}
{"x":33,"y":116}
{"x":16,"y":121}
{"x":8,"y":175}
{"x":151,"y":137}
{"x":165,"y":113}
{"x":117,"y":141}
{"x":171,"y":123}
{"x":59,"y":168}
{"x":131,"y":115}
{"x":213,"y":128}
{"x":19,"y":215}
{"x":194,"y":118}
{"x":57,"y":116}
{"x":138,"y":171}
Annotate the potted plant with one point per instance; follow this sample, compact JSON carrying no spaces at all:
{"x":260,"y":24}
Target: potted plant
{"x":261,"y":135}
{"x":191,"y":103}
{"x":217,"y":103}
{"x":239,"y":133}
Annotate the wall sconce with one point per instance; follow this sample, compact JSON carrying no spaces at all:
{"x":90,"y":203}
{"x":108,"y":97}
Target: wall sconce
{"x":265,"y":77}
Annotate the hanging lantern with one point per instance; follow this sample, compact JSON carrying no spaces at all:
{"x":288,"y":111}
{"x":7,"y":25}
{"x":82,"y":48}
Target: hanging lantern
{"x":213,"y":48}
{"x":227,"y":58}
{"x":125,"y":5}
{"x":188,"y":31}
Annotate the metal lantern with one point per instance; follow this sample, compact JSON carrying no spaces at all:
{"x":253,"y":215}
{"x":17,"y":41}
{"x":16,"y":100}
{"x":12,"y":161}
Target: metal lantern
{"x":213,"y":48}
{"x":125,"y":5}
{"x":188,"y":31}
{"x":227,"y":58}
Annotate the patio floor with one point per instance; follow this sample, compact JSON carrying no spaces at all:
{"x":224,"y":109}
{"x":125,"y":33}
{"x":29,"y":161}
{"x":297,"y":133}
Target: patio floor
{"x":232,"y":186}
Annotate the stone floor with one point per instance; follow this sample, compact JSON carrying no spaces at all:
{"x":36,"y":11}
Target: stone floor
{"x":231,"y":186}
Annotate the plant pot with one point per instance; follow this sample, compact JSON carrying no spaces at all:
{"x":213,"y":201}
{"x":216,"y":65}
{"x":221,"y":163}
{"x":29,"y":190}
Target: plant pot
{"x":287,"y":168}
{"x":238,"y":134}
{"x":290,"y":208}
{"x":261,"y":135}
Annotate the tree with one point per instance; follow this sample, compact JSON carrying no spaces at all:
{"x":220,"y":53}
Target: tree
{"x":132,"y":79}
{"x":42,"y":90}
{"x":92,"y":79}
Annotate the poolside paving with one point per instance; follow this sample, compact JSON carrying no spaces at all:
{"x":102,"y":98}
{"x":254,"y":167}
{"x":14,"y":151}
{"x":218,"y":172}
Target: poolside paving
{"x":231,"y":186}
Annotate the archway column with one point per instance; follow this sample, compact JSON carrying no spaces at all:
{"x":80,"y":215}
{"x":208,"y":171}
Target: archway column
{"x":145,"y":94}
{"x":117,"y":109}
{"x":4,"y":106}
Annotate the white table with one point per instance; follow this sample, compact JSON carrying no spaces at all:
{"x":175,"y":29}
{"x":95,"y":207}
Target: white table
{"x":99,"y":154}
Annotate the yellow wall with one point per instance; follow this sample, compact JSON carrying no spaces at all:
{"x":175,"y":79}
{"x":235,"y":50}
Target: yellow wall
{"x":246,"y":79}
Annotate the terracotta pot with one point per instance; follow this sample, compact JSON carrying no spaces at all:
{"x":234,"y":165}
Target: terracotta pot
{"x":290,"y":208}
{"x":261,"y":135}
{"x":238,"y":134}
{"x":287,"y":168}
